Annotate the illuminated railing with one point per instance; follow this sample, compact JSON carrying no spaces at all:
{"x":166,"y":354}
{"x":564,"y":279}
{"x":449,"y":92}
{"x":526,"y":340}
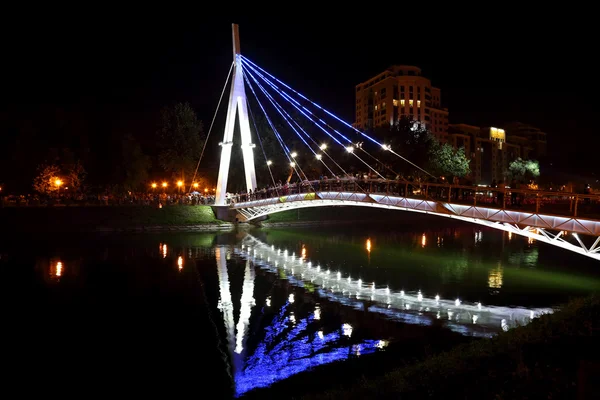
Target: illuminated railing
{"x":524,"y":200}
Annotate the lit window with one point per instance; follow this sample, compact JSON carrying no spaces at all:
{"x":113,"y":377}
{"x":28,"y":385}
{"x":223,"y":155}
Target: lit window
{"x":383,"y":105}
{"x":411,"y":102}
{"x":402,"y":102}
{"x":395,"y":103}
{"x":418,"y":103}
{"x":376,"y":107}
{"x":375,"y":93}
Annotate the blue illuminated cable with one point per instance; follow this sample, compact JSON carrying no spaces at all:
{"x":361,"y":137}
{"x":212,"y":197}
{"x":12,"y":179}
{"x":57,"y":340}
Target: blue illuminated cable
{"x":261,"y":145}
{"x":312,"y":102}
{"x":287,"y":98}
{"x":294,"y":161}
{"x":283,"y":146}
{"x":288,"y":118}
{"x":252,"y":64}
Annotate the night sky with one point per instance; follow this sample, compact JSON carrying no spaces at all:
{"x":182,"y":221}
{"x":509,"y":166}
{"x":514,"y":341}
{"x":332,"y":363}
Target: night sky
{"x":123,"y":71}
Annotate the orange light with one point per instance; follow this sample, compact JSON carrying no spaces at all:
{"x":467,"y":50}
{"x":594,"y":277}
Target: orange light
{"x":153,"y":185}
{"x":205,"y":190}
{"x":180,"y":183}
{"x":58,"y":182}
{"x":164,"y":184}
{"x":369,"y":245}
{"x":196,"y":184}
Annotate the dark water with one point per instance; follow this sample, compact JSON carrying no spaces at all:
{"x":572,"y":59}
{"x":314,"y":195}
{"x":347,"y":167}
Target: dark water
{"x":213,"y":315}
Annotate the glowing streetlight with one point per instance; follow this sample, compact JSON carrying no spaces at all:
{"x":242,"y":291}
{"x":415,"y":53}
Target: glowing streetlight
{"x":319,"y":156}
{"x":269,"y":163}
{"x":58,"y":182}
{"x":180,"y":183}
{"x":153,"y":185}
{"x":294,"y":154}
{"x":292,"y":164}
{"x":195,"y":185}
{"x":164,"y":184}
{"x":386,"y":147}
{"x":350,"y":149}
{"x":323,"y":146}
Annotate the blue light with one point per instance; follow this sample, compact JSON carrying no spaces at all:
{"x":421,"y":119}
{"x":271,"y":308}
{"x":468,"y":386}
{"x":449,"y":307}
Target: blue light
{"x":292,"y":101}
{"x":244,"y":59}
{"x":288,"y":118}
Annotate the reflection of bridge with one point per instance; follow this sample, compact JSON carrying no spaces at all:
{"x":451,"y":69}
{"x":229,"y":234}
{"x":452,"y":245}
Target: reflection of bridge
{"x":551,"y":217}
{"x":294,"y":342}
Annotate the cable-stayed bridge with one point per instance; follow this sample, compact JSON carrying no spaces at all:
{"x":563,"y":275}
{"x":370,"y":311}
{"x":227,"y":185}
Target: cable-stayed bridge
{"x":567,"y":220}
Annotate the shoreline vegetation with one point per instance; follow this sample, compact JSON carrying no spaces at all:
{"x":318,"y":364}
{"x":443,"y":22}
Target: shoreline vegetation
{"x":110,"y":219}
{"x":556,"y":356}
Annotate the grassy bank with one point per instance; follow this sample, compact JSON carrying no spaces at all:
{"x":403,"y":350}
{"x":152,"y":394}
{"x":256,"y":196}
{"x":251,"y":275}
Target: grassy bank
{"x":91,"y":218}
{"x":556,"y":356}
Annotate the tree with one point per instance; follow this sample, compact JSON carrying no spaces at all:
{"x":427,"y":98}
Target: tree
{"x":447,"y":161}
{"x":521,"y":169}
{"x":180,"y":140}
{"x":135,"y":163}
{"x":75,"y":175}
{"x":46,"y":180}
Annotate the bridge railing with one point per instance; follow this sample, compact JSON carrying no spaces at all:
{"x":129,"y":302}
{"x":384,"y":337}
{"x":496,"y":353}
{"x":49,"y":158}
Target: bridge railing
{"x":528,"y":200}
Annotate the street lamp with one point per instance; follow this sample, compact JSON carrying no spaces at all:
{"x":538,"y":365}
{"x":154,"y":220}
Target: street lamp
{"x":319,"y":156}
{"x":153,"y":185}
{"x":294,"y":154}
{"x":164,"y":185}
{"x":195,"y":185}
{"x":58,"y":182}
{"x":323,"y":146}
{"x":269,"y":162}
{"x":292,"y":164}
{"x":179,"y":185}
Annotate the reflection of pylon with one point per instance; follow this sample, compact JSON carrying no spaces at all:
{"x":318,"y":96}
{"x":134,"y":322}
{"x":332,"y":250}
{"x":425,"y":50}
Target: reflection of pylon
{"x":237,"y":100}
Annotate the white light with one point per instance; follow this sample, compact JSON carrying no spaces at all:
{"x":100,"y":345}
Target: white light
{"x":349,"y":149}
{"x":323,"y":146}
{"x":402,"y":293}
{"x":381,"y":344}
{"x":475,"y":317}
{"x":268,"y":302}
{"x":387,"y":290}
{"x":292,"y":164}
{"x":320,"y":334}
{"x":319,"y":156}
{"x":420,"y":296}
{"x":291,"y":298}
{"x":269,"y":162}
{"x":359,"y":282}
{"x":339,"y":275}
{"x":294,"y":154}
{"x":479,"y":306}
{"x":437,"y":297}
{"x":317,"y":313}
{"x":457,"y":302}
{"x":347,"y":328}
{"x":386,"y":147}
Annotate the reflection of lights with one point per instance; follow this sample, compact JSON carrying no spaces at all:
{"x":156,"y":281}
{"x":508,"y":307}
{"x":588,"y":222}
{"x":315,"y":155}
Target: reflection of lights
{"x":495,"y":277}
{"x":475,"y":318}
{"x":457,"y":302}
{"x":320,"y":334}
{"x":268,"y":301}
{"x":369,"y":245}
{"x":504,"y":325}
{"x":291,"y":298}
{"x":292,"y":318}
{"x":530,"y":240}
{"x":317,"y":313}
{"x":479,"y":306}
{"x":477,"y":236}
{"x":303,"y":252}
{"x":180,"y":263}
{"x":164,"y":250}
{"x":423,"y":240}
{"x":347,"y":330}
{"x":437,"y":297}
{"x":402,"y":293}
{"x":509,"y":235}
{"x":381,"y":344}
{"x":59,"y":269}
{"x":420,"y":296}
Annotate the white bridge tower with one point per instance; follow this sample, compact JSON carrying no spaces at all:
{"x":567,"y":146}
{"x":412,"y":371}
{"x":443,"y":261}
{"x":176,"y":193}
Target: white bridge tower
{"x":237,"y":104}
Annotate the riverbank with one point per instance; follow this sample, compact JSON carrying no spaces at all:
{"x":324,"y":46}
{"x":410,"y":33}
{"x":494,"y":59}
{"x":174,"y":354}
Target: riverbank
{"x":110,"y":219}
{"x":555,"y":356}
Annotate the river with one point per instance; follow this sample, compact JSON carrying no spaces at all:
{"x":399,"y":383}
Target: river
{"x":232,"y":312}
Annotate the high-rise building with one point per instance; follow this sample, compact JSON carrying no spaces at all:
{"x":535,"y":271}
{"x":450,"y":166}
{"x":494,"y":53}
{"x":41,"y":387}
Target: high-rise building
{"x":527,"y":136}
{"x":400,"y":91}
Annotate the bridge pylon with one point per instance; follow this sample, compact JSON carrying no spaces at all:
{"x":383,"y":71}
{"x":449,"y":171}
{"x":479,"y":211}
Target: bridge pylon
{"x":239,"y":106}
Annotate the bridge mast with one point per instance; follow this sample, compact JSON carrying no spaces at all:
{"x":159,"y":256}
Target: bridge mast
{"x":237,"y":102}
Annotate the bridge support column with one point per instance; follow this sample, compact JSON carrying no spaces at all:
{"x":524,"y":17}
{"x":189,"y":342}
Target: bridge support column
{"x":237,"y":102}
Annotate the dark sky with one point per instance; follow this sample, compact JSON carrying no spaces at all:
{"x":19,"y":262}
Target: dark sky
{"x":525,"y":68}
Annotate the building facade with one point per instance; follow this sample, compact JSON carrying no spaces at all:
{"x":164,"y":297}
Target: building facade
{"x":400,"y":91}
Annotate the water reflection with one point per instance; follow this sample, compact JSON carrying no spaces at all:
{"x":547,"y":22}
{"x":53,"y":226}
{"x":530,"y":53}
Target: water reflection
{"x":409,"y":307}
